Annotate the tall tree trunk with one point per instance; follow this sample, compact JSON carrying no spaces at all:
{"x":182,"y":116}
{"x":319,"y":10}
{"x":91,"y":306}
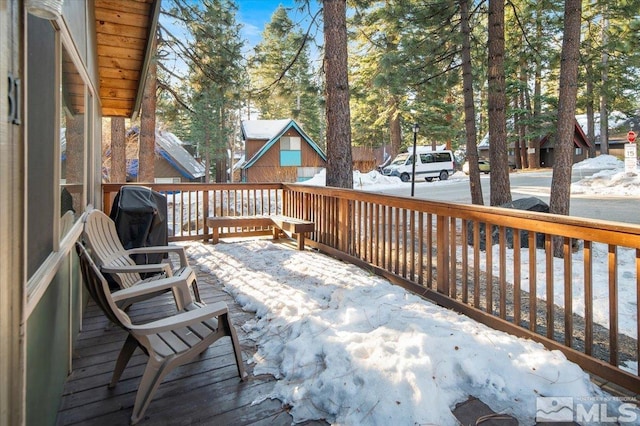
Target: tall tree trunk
{"x":118,"y":151}
{"x":207,"y":155}
{"x":500,"y":185}
{"x":469,"y":108}
{"x":394,"y":128}
{"x":147,"y":155}
{"x":517,"y":117}
{"x":591,"y":128}
{"x":339,"y":163}
{"x":534,"y":144}
{"x":604,"y":107}
{"x":522,"y":128}
{"x":74,"y":167}
{"x":563,"y":150}
{"x":531,"y":157}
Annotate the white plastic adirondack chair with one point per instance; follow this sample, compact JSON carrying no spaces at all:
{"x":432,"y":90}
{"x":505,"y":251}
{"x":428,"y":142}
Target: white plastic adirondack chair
{"x":102,"y":240}
{"x":169,"y":342}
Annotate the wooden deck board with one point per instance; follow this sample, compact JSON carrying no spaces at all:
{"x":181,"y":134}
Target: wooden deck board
{"x":205,"y":391}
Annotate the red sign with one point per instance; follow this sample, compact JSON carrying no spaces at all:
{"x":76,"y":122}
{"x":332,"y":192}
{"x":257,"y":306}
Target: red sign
{"x":631,"y":137}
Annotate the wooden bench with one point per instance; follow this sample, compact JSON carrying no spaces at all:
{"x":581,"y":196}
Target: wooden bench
{"x":279,"y":223}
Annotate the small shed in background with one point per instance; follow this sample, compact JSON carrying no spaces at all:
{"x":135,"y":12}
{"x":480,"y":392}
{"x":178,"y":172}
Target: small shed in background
{"x":278,"y":151}
{"x":366,"y":159}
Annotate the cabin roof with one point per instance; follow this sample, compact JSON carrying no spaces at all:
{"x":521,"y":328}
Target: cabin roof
{"x":171,"y":148}
{"x":271,"y":131}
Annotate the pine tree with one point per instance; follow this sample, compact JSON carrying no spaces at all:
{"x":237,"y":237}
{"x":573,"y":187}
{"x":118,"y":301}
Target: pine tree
{"x":282,"y":77}
{"x":563,"y":151}
{"x":500,"y":184}
{"x":147,"y":140}
{"x":213,"y":53}
{"x":339,"y":159}
{"x":403,"y":71}
{"x":118,"y":171}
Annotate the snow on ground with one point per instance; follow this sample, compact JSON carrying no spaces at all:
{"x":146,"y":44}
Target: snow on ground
{"x":627,"y":292}
{"x":351,"y":348}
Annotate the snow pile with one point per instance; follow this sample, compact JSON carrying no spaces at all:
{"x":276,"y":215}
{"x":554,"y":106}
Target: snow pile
{"x":366,"y":181}
{"x":611,"y":180}
{"x":352,"y":348}
{"x":374,"y":180}
{"x":600,"y":162}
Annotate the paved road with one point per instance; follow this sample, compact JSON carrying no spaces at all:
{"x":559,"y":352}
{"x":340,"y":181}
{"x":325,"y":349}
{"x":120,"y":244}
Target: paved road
{"x":527,"y":184}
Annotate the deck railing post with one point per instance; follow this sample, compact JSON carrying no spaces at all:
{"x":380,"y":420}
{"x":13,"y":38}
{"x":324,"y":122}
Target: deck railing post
{"x":442,"y":242}
{"x":343,"y":225}
{"x":205,"y":214}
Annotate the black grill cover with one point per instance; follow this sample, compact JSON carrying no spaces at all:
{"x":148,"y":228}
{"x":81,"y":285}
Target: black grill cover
{"x":140,"y":215}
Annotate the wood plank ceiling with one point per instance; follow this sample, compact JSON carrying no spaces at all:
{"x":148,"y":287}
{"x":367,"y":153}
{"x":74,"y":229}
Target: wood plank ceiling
{"x":123,"y":29}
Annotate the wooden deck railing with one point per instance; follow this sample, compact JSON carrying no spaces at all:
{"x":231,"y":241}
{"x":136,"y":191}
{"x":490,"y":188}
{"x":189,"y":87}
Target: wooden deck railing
{"x":438,"y":250}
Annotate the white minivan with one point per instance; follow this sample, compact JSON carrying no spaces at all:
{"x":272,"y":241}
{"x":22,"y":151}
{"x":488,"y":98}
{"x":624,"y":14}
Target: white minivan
{"x":430,"y":164}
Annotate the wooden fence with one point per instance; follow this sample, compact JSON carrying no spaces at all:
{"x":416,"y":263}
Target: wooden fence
{"x":439,"y":250}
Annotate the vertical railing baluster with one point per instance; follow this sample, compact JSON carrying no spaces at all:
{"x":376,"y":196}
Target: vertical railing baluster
{"x":533,"y":279}
{"x":588,"y":297}
{"x":396,"y":226}
{"x":412,"y":241}
{"x":488,"y":240}
{"x":502,"y":273}
{"x":517,"y":276}
{"x":453,"y":273}
{"x":405,"y":242}
{"x":429,"y":226}
{"x":568,"y":293}
{"x":476,"y":264}
{"x":420,"y":243}
{"x":548,"y":247}
{"x":613,"y":304}
{"x":389,"y":239}
{"x":442,"y":255}
{"x":638,"y":308}
{"x":465,"y":260}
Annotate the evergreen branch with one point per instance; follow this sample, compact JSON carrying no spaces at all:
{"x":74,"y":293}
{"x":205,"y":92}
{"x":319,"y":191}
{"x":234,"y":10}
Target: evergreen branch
{"x":176,"y":96}
{"x":293,"y":60}
{"x":522,"y":29}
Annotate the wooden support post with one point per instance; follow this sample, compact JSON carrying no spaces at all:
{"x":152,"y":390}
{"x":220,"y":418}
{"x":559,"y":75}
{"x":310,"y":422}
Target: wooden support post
{"x":442,"y":232}
{"x":206,"y":213}
{"x":343,"y":225}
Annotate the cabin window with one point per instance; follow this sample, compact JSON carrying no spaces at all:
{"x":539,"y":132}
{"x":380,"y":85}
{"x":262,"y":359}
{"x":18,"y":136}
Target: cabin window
{"x":290,"y":154}
{"x":56,"y":140}
{"x":306,"y":173}
{"x":578,"y":151}
{"x":40,"y":141}
{"x":72,"y":142}
{"x":167,"y":180}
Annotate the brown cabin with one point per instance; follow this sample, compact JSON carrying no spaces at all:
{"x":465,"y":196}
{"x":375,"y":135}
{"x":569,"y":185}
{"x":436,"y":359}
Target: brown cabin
{"x":546,"y":144}
{"x":581,"y":146}
{"x":278,"y":151}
